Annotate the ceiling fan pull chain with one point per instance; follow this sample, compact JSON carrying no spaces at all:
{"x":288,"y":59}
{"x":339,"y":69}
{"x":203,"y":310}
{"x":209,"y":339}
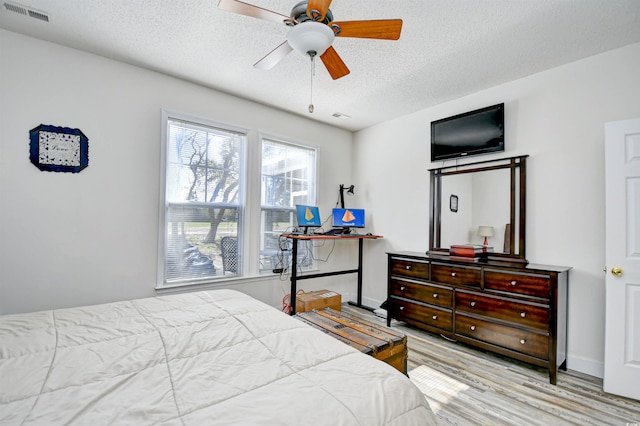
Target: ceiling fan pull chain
{"x":313,"y":72}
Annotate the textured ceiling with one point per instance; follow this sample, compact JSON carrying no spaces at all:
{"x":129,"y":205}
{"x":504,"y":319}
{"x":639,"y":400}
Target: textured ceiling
{"x":448,"y":48}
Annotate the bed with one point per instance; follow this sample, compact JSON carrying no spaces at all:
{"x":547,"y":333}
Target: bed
{"x":201,"y":358}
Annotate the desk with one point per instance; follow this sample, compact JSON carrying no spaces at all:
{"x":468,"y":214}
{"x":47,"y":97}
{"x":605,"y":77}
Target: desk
{"x":294,"y":269}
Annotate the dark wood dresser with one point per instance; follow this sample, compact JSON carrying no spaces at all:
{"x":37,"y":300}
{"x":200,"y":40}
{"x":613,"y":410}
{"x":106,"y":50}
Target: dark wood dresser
{"x":515,"y":310}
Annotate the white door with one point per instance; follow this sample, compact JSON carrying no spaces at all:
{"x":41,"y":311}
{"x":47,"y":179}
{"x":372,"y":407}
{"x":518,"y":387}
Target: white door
{"x":622,"y":245}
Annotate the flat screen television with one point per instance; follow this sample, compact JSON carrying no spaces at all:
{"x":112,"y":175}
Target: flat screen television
{"x":348,"y":218}
{"x":308,"y":217}
{"x":472,"y":133}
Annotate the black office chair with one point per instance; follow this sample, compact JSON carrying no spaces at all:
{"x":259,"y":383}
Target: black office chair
{"x":229,"y":251}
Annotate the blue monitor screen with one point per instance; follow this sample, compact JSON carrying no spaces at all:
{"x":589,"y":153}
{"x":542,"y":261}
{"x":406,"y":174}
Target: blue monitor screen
{"x":352,"y":218}
{"x":308,"y":216}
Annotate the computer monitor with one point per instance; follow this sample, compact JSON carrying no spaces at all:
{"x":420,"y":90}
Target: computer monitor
{"x":308,"y":216}
{"x":348,"y":218}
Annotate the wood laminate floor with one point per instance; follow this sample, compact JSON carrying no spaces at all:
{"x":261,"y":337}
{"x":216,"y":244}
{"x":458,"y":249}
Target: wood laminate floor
{"x":467,"y":386}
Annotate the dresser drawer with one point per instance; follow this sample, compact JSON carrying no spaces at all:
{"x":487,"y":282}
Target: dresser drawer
{"x":429,"y":315}
{"x":456,"y":274}
{"x":529,"y":284}
{"x":526,"y":342}
{"x":427,"y":293}
{"x":409,"y":268}
{"x":524,"y":314}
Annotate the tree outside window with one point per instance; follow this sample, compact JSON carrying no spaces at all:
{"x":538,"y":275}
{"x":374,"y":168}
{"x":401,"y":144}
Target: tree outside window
{"x":203,"y":201}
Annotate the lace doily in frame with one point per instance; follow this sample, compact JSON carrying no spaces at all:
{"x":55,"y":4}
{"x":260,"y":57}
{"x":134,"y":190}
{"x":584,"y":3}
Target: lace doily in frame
{"x":58,"y":149}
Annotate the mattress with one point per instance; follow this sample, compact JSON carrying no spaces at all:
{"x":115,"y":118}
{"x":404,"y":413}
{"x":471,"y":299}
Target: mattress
{"x":202,"y":358}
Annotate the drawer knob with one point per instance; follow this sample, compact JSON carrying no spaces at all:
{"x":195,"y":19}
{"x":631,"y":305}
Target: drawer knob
{"x":453,"y":274}
{"x":402,"y":308}
{"x":522,"y":341}
{"x":435,"y":317}
{"x":523,"y":314}
{"x":435,"y":295}
{"x":473,"y":328}
{"x":514,"y":282}
{"x":408,"y":267}
{"x":402,"y":288}
{"x":473,"y":304}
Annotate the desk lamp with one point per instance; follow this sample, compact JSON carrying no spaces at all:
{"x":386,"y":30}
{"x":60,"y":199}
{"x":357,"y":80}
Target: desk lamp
{"x":349,"y":190}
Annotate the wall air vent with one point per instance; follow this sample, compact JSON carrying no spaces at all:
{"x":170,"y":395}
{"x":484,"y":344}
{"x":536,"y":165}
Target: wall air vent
{"x":26,"y":11}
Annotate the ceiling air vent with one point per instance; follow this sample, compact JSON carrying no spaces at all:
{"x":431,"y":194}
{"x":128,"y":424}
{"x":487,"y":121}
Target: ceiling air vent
{"x":26,"y":11}
{"x":16,"y":8}
{"x":340,"y":116}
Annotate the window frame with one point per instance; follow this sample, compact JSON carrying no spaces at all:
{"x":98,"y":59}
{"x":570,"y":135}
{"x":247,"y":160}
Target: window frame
{"x":262,"y":137}
{"x":250,"y":208}
{"x":161,"y":276}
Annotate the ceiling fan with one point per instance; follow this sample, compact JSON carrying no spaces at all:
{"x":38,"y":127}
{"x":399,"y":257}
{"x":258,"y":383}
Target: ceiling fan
{"x":313,"y":30}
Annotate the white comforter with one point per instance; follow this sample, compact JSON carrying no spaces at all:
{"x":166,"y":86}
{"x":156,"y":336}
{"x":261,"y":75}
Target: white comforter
{"x":217,"y":357}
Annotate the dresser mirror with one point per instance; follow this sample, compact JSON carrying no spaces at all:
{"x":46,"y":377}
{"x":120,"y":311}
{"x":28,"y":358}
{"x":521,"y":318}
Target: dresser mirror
{"x":471,"y":201}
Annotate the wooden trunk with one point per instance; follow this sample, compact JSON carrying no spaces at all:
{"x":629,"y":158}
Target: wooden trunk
{"x":376,"y":340}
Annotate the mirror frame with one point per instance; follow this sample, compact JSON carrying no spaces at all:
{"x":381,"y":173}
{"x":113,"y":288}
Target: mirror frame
{"x":517,"y":167}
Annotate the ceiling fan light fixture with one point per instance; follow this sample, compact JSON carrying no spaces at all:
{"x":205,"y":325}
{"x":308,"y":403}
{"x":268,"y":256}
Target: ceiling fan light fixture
{"x":310,"y":36}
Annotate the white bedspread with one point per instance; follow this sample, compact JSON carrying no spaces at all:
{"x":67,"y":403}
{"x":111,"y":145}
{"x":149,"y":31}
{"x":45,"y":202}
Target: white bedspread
{"x":215,"y":357}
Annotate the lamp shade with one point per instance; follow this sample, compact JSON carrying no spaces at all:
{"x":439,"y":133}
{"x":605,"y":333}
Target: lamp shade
{"x":350,"y":190}
{"x":485,"y":231}
{"x":310,"y":36}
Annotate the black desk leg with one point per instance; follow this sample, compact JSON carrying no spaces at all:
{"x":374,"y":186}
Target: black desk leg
{"x":360,"y":271}
{"x":359,"y":300}
{"x":294,"y":276}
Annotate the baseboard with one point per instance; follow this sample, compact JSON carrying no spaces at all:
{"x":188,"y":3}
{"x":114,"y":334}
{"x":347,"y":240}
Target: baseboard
{"x":586,"y":366}
{"x":366,"y":301}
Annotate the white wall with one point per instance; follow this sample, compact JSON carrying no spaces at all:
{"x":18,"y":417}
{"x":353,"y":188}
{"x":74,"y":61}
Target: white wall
{"x":483,"y":200}
{"x":557,"y":117}
{"x":455,"y":226}
{"x":73,"y":239}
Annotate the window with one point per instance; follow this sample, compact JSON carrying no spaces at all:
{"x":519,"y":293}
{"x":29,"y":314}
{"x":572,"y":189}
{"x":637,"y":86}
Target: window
{"x":207,"y":202}
{"x":203,"y":201}
{"x":288,"y":178}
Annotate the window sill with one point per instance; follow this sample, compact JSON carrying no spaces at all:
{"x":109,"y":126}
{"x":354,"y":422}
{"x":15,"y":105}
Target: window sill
{"x":223,"y":282}
{"x":204,"y":285}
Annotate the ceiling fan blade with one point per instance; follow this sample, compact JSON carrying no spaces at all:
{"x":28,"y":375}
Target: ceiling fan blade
{"x":247,"y":9}
{"x":387,"y":29}
{"x":317,"y":9}
{"x":273,"y":57}
{"x":334,"y":64}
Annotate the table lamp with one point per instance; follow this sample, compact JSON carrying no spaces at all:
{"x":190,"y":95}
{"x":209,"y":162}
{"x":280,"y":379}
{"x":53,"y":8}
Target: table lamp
{"x":485,"y":231}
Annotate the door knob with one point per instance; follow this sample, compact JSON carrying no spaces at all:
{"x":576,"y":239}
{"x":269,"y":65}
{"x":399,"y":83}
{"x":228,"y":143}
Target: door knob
{"x":617,"y":271}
